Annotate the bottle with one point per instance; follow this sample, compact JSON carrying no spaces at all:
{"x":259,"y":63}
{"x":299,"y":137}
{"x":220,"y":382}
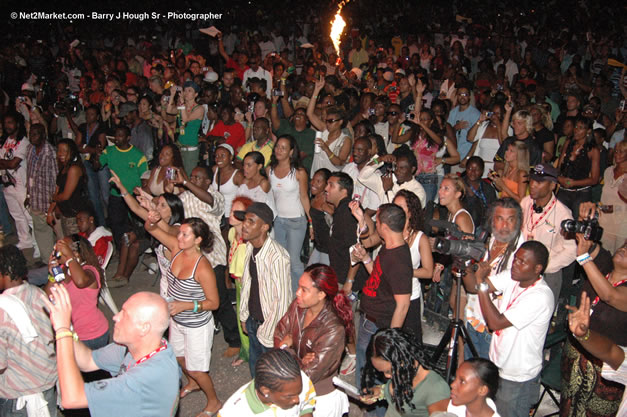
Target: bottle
{"x":316,"y":146}
{"x":57,"y":271}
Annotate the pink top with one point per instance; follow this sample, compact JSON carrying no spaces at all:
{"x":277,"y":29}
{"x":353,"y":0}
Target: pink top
{"x":89,"y":322}
{"x":425,"y":155}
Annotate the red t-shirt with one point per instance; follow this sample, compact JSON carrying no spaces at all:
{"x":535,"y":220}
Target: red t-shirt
{"x":239,"y":71}
{"x":234,"y":134}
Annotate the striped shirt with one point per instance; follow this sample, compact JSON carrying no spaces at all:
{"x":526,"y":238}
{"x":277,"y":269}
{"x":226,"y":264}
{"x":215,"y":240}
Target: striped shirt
{"x":212,"y":215}
{"x":275,"y":287}
{"x":41,"y":172}
{"x":27,"y":368}
{"x":188,"y":290}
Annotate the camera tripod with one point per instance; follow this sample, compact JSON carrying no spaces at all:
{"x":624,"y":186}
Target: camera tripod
{"x":455,"y":329}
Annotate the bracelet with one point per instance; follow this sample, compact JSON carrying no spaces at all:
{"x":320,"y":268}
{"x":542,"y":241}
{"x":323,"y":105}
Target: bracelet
{"x":67,"y":263}
{"x":350,"y":281}
{"x":367,"y":262}
{"x":582,"y":263}
{"x":382,"y":393}
{"x":584,"y":337}
{"x":581,"y":259}
{"x":123,"y":194}
{"x":60,"y":328}
{"x":184,"y":182}
{"x":64,"y":334}
{"x":51,"y":279}
{"x":196,"y":306}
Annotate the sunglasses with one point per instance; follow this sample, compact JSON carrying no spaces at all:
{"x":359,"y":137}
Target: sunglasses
{"x":392,"y":113}
{"x":332,"y":120}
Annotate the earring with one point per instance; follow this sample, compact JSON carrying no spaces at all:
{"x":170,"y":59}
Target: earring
{"x":265,"y":395}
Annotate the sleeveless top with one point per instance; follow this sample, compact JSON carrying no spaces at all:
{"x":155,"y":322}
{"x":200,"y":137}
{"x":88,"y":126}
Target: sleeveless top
{"x":156,"y":187}
{"x":321,"y":229}
{"x":511,"y":184}
{"x":463,"y":210}
{"x":321,"y":159}
{"x":228,"y":190}
{"x":578,"y":169}
{"x":286,"y":192}
{"x":257,"y":194}
{"x":190,"y":135}
{"x":425,"y":154}
{"x":486,"y":148}
{"x":78,"y":201}
{"x":414,"y":250}
{"x":187,"y":290}
{"x":89,"y":322}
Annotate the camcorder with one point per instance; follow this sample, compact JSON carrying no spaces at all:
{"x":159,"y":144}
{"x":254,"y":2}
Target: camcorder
{"x":589,"y":228}
{"x":465,"y":249}
{"x":69,"y":103}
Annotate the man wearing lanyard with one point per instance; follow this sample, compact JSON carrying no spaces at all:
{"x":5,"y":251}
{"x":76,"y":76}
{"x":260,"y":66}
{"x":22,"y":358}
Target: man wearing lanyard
{"x":145,"y":372}
{"x":543,"y":214}
{"x":520,"y":324}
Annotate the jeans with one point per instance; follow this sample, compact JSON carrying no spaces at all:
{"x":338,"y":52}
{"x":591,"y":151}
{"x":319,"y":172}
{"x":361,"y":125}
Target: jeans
{"x":255,"y":347}
{"x":430,"y":183}
{"x":290,"y":233}
{"x":7,"y":405}
{"x":98,"y":190}
{"x":365,"y":331}
{"x":515,"y":399}
{"x":98,"y":342}
{"x":481,"y":341}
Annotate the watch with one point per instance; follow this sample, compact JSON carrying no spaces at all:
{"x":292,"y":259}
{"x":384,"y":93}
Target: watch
{"x":484,"y":286}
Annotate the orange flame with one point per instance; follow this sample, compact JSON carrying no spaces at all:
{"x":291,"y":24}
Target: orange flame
{"x":337,"y":27}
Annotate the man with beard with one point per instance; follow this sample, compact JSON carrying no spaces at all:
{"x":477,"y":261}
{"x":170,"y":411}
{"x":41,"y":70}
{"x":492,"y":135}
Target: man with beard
{"x":505,"y":220}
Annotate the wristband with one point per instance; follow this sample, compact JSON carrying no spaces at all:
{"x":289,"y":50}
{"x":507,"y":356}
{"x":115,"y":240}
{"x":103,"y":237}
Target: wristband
{"x":585,"y":261}
{"x":196,"y":305}
{"x":123,"y":194}
{"x":64,"y":334}
{"x":350,"y":281}
{"x":367,"y":262}
{"x":583,"y":258}
{"x":61,"y":328}
{"x":51,"y":279}
{"x":67,"y":263}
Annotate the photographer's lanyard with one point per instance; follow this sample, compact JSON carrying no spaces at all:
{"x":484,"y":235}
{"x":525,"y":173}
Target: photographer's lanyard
{"x":544,"y":214}
{"x":597,"y":298}
{"x":511,"y":302}
{"x":143,"y":359}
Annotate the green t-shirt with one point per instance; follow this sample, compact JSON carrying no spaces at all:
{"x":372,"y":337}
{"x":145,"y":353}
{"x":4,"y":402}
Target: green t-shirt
{"x":429,"y":391}
{"x":305,"y":140}
{"x":128,"y":164}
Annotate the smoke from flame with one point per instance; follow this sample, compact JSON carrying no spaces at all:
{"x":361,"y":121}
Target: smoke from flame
{"x":337,"y":27}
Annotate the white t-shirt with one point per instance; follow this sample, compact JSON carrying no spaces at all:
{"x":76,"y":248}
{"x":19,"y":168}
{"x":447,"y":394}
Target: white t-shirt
{"x":517,"y":350}
{"x":414,"y":250}
{"x":368,"y":198}
{"x":460,"y":410}
{"x":14,"y":149}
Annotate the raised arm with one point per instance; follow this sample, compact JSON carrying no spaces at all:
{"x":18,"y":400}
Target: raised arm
{"x":129,"y":199}
{"x":313,"y":118}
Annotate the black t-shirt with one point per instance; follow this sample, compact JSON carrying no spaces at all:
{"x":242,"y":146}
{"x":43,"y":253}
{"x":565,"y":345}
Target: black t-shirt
{"x":254,"y":301}
{"x":535,"y":153}
{"x":543,"y":136}
{"x":90,"y":138}
{"x":391,"y":274}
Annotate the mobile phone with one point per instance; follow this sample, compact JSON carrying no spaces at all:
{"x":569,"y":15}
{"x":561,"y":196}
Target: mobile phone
{"x":179,"y":88}
{"x":170,"y":173}
{"x":489,"y":114}
{"x":370,"y":112}
{"x":277,"y":92}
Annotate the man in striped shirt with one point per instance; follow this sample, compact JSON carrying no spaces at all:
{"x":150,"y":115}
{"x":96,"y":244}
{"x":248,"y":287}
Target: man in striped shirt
{"x":28,"y":366}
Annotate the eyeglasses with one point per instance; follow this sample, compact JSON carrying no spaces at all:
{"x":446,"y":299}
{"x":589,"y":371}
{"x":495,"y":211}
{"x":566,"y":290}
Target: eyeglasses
{"x":392,"y":113}
{"x":463,"y":94}
{"x":332,"y":120}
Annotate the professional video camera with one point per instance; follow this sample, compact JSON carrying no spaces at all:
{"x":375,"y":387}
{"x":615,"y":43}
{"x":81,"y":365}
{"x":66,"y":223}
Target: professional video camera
{"x":589,"y":227}
{"x":463,"y":248}
{"x":69,"y":102}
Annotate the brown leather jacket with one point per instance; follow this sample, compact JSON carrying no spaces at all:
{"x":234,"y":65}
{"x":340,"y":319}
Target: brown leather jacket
{"x":325,"y":336}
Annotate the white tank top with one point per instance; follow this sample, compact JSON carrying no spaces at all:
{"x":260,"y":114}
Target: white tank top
{"x":462,"y":210}
{"x":414,"y":249}
{"x":286,"y":192}
{"x":228,"y":190}
{"x":257,"y":194}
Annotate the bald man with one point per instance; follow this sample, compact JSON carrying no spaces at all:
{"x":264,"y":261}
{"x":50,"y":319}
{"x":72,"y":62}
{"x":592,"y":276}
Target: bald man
{"x":145,"y":373}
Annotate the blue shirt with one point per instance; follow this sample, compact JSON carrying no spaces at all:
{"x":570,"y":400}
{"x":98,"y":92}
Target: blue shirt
{"x":149,"y":389}
{"x":470,"y":115}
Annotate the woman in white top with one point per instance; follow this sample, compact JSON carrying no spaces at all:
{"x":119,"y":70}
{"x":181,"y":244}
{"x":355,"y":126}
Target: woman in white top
{"x":421,"y":256}
{"x":169,"y":157}
{"x":486,"y":137}
{"x":289,"y":187}
{"x":256,"y":185}
{"x":226,"y":178}
{"x":474,"y":388}
{"x":335,"y":146}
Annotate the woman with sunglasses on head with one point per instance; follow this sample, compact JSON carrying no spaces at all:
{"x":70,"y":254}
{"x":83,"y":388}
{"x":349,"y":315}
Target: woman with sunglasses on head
{"x":335,"y":145}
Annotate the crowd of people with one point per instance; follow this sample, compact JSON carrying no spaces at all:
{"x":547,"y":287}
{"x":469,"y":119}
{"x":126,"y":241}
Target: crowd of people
{"x":288,"y":188}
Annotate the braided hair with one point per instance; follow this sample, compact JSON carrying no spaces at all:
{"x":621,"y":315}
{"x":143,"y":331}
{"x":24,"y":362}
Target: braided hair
{"x":274,"y":368}
{"x":400,"y":349}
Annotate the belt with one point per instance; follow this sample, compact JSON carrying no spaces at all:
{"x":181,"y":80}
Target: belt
{"x":575,"y":189}
{"x":189,"y":148}
{"x":369,"y":317}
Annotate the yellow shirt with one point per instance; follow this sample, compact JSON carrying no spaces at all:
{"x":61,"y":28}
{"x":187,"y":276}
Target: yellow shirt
{"x":237,"y":256}
{"x":266,"y":150}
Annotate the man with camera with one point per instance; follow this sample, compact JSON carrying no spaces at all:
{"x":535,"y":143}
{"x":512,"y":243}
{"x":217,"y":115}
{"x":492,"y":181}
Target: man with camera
{"x":505,"y":219}
{"x":543,"y":214}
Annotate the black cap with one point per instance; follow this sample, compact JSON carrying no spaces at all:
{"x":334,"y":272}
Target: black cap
{"x":262,"y":211}
{"x":544,"y":172}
